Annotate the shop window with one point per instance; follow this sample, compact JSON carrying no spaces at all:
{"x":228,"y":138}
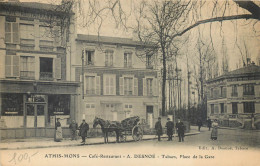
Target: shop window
{"x":12,"y":110}
{"x":59,"y":106}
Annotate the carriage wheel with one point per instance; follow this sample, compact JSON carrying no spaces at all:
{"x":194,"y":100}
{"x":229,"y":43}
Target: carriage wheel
{"x":137,"y":133}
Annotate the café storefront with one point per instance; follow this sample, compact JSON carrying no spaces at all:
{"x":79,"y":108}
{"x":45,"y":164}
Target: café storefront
{"x":31,"y":110}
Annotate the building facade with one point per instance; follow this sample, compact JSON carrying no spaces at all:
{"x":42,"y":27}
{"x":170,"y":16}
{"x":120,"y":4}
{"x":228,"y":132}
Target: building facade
{"x":117,"y":82}
{"x":34,"y":86}
{"x":234,"y":98}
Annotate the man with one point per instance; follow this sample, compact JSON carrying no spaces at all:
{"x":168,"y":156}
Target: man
{"x":158,"y":128}
{"x":169,"y":125}
{"x":83,"y":130}
{"x":209,"y":123}
{"x":180,"y":129}
{"x":73,"y":129}
{"x":199,"y":122}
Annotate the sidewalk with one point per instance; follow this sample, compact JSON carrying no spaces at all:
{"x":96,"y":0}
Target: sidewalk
{"x":32,"y":143}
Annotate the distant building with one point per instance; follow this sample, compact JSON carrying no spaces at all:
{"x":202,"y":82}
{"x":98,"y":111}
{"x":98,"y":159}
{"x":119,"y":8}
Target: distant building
{"x":234,"y":98}
{"x":117,"y":82}
{"x":34,"y":87}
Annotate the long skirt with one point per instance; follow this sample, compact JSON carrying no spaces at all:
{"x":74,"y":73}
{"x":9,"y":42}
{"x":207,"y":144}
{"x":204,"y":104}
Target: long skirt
{"x":214,"y":133}
{"x":58,"y":134}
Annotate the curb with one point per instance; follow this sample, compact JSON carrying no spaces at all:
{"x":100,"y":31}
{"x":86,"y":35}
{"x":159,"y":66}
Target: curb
{"x":96,"y":143}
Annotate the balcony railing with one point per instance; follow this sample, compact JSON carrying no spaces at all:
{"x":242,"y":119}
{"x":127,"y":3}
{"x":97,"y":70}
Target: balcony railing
{"x":249,"y":93}
{"x":46,"y":76}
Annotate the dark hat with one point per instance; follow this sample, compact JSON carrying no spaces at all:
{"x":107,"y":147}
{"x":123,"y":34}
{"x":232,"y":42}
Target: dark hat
{"x":168,"y":119}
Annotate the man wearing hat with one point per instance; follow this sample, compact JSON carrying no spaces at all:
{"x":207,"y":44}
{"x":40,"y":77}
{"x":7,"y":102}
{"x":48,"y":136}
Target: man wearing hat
{"x":180,"y":129}
{"x":158,"y":128}
{"x":169,"y":126}
{"x":83,"y":130}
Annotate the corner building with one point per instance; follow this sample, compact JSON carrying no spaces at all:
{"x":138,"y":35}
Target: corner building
{"x":34,"y":89}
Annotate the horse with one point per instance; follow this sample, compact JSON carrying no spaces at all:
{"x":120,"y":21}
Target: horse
{"x":108,"y":126}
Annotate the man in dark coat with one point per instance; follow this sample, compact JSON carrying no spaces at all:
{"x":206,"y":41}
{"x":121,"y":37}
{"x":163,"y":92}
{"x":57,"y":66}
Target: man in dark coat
{"x":180,"y":129}
{"x":199,"y":123}
{"x":169,"y":125}
{"x":83,"y":130}
{"x":158,"y":128}
{"x":209,"y":123}
{"x":73,"y":129}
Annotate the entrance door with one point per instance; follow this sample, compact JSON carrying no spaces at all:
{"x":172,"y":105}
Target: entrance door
{"x":35,"y":117}
{"x":149,"y":115}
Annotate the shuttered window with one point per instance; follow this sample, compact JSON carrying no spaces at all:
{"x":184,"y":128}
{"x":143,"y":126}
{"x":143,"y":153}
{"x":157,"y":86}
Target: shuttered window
{"x":12,"y":66}
{"x":150,"y":87}
{"x":109,"y":85}
{"x":12,"y":32}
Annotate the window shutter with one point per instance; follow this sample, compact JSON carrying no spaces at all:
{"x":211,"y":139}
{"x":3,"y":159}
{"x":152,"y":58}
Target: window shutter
{"x":155,"y":87}
{"x":129,"y":60}
{"x":121,"y":85}
{"x":8,"y":32}
{"x":16,"y":37}
{"x":144,"y":87}
{"x":16,"y":66}
{"x":97,"y":85}
{"x":106,"y":59}
{"x":106,"y":85}
{"x":136,"y":86}
{"x":8,"y":66}
{"x":92,"y":57}
{"x":57,"y":67}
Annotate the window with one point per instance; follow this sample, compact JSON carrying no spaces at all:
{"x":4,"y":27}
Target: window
{"x":89,"y":57}
{"x":91,"y":86}
{"x":249,"y":89}
{"x":149,"y":86}
{"x":223,"y":91}
{"x":46,"y":68}
{"x":222,"y":108}
{"x":109,"y":85}
{"x":149,"y":61}
{"x":27,"y":67}
{"x":27,"y":31}
{"x":249,"y":107}
{"x":212,"y":108}
{"x":127,"y":59}
{"x":128,"y":110}
{"x":234,"y":91}
{"x":12,"y":31}
{"x":12,"y":66}
{"x":211,"y":92}
{"x":234,"y":108}
{"x":128,"y":85}
{"x":109,"y":58}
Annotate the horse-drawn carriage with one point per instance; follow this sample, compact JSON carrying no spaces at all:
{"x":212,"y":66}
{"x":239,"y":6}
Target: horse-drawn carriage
{"x":128,"y":126}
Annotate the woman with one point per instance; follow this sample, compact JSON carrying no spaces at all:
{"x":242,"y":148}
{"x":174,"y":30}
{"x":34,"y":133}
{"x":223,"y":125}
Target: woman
{"x":214,"y":133}
{"x":58,"y":131}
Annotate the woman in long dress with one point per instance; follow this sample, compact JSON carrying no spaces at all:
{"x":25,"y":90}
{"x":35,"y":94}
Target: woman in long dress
{"x":214,"y":132}
{"x":58,"y":131}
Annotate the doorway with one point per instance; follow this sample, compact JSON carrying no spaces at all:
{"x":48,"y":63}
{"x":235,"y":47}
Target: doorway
{"x":35,"y":119}
{"x":149,"y":115}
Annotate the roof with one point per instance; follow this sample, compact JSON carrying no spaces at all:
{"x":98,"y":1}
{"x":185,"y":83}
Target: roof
{"x":250,"y":70}
{"x":109,"y":40}
{"x":31,"y":5}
